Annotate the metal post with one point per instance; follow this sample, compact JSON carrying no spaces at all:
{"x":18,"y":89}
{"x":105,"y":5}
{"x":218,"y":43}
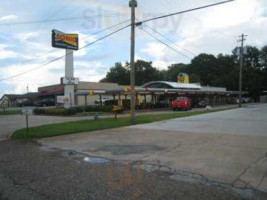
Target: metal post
{"x":69,"y":89}
{"x":85,"y":100}
{"x":27,"y":122}
{"x":241,"y":68}
{"x":101,"y":103}
{"x":133,"y":4}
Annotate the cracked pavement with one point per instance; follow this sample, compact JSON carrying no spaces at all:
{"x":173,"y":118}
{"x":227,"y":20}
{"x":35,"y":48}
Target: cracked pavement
{"x":27,"y":171}
{"x":226,"y":148}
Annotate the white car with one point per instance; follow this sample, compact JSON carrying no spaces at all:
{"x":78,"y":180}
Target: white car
{"x":103,"y":100}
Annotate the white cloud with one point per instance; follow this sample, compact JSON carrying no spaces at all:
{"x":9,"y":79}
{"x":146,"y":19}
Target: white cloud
{"x":154,"y":49}
{"x":8,"y":18}
{"x":5,"y":53}
{"x":214,"y":30}
{"x":36,"y":78}
{"x":26,"y":36}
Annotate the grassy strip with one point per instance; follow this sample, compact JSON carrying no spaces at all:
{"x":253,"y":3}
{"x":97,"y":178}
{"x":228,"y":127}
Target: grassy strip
{"x":10,"y":112}
{"x":92,"y":125}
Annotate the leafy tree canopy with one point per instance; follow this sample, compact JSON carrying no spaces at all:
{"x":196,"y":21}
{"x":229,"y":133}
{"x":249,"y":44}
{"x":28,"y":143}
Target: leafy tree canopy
{"x":207,"y":69}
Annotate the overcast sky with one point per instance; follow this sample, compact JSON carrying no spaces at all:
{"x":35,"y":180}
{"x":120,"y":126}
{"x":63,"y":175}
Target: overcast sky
{"x":27,"y":46}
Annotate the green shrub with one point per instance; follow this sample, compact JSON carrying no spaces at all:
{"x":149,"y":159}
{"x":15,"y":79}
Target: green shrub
{"x":92,"y":108}
{"x":58,"y":111}
{"x":79,"y":109}
{"x":38,"y":111}
{"x":107,"y":108}
{"x":111,"y":103}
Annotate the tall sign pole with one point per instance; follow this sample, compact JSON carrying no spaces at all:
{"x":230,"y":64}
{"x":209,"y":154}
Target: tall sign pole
{"x":241,"y":67}
{"x":70,"y":42}
{"x":69,"y":88}
{"x":133,"y":5}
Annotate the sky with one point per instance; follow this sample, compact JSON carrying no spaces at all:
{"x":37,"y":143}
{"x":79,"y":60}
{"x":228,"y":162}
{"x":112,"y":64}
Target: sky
{"x":27,"y":46}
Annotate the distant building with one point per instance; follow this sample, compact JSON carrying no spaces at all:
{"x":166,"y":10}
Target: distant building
{"x":14,"y":100}
{"x":156,"y":92}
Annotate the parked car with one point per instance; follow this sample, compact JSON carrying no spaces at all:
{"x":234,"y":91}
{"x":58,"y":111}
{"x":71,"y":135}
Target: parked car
{"x":45,"y":102}
{"x":248,"y":99}
{"x":243,"y":100}
{"x":25,"y":104}
{"x":181,"y":103}
{"x":103,"y":100}
{"x":202,"y":104}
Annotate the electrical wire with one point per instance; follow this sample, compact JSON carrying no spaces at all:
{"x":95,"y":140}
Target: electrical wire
{"x":175,"y":50}
{"x":169,"y":40}
{"x":95,"y":33}
{"x":185,"y":11}
{"x":56,"y":59}
{"x":60,"y":19}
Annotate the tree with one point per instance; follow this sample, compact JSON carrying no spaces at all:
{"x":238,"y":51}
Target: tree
{"x":118,"y":74}
{"x":145,"y":72}
{"x":204,"y":65}
{"x":174,"y":70}
{"x":263,"y":60}
{"x":207,"y":69}
{"x":251,"y":59}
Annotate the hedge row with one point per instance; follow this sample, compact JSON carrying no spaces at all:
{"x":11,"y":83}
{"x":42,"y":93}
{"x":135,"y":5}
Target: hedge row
{"x":60,"y":111}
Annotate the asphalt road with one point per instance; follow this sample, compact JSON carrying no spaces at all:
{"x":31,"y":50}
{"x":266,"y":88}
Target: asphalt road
{"x":29,"y":172}
{"x":227,"y":148}
{"x":191,"y":158}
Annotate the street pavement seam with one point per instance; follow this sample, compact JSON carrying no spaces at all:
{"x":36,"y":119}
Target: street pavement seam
{"x":239,"y":177}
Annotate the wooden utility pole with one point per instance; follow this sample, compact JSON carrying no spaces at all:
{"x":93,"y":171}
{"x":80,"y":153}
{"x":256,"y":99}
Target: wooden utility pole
{"x":133,"y":5}
{"x":241,"y":67}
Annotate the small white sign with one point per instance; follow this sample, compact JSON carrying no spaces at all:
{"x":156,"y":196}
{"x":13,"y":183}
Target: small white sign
{"x":63,"y":99}
{"x":238,"y":51}
{"x":69,"y":81}
{"x":27,"y":112}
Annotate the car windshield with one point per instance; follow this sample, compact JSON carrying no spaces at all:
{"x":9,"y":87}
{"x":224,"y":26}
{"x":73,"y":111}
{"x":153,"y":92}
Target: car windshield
{"x":181,"y":98}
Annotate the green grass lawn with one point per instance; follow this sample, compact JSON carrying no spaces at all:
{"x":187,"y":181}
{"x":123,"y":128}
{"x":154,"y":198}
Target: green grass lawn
{"x":92,"y":125}
{"x":10,"y":112}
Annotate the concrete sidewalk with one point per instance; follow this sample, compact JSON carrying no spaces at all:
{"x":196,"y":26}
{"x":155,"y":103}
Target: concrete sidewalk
{"x":206,"y":149}
{"x":11,"y":123}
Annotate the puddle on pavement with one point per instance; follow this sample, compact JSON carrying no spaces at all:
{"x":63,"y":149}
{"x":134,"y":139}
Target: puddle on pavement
{"x":82,"y":157}
{"x":129,"y":149}
{"x":95,"y":160}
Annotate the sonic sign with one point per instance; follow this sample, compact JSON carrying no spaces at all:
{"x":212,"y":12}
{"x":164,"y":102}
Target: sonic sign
{"x":65,"y":41}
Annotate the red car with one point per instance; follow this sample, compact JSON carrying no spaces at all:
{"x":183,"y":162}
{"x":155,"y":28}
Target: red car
{"x":181,"y":103}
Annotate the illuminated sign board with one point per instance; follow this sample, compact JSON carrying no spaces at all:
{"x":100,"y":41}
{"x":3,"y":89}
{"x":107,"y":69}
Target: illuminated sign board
{"x":183,"y":78}
{"x":65,"y":41}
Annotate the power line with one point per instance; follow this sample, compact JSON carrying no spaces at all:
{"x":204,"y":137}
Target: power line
{"x":59,"y":19}
{"x":95,"y":33}
{"x":53,"y":14}
{"x":185,"y":11}
{"x":56,"y":59}
{"x":170,"y":40}
{"x":166,"y":44}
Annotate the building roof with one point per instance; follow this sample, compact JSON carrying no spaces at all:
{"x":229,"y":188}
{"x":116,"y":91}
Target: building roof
{"x":213,"y":89}
{"x":173,"y":85}
{"x":95,"y":86}
{"x":21,"y":96}
{"x":11,"y":96}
